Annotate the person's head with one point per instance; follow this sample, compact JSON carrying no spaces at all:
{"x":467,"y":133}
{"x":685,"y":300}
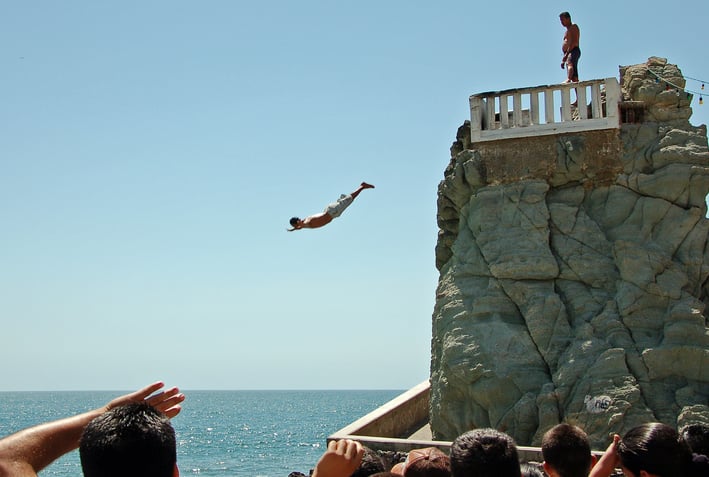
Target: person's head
{"x":697,"y":437}
{"x":426,"y":462}
{"x":565,"y":18}
{"x":371,"y":464}
{"x":653,"y":448}
{"x":566,"y":451}
{"x":133,"y":440}
{"x":294,"y":221}
{"x":484,"y":453}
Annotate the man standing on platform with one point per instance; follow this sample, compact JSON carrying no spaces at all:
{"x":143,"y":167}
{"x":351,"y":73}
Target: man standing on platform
{"x":570,"y":47}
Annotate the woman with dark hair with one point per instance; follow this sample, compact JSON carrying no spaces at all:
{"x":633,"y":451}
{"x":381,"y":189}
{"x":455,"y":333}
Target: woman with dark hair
{"x":649,"y":450}
{"x":655,"y":449}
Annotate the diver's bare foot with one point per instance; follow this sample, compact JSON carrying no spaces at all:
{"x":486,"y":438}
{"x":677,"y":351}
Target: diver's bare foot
{"x":364,"y":185}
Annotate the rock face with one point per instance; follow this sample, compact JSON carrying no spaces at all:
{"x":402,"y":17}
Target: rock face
{"x":573,"y":276}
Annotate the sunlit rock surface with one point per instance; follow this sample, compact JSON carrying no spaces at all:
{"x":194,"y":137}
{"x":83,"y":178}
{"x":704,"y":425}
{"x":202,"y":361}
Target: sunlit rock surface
{"x":573,"y":275}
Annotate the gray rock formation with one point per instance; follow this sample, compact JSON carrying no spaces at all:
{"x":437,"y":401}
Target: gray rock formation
{"x":573,"y":276}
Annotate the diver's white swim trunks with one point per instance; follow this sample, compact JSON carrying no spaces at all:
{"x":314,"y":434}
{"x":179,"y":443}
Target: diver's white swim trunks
{"x":336,"y":208}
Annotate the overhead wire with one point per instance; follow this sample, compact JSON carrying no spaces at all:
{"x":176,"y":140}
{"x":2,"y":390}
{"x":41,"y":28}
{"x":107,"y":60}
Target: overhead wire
{"x":659,"y":78}
{"x":697,"y":80}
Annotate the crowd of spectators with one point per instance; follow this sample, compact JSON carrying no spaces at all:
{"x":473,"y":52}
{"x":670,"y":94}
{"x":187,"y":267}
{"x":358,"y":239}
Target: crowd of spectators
{"x":132,"y":436}
{"x":649,"y":450}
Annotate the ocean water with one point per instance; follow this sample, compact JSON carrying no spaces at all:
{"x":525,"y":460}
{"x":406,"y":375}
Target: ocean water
{"x":219,"y":433}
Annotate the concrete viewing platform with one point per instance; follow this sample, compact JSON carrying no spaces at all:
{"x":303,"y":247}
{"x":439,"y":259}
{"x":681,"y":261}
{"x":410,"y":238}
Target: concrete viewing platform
{"x":544,"y":110}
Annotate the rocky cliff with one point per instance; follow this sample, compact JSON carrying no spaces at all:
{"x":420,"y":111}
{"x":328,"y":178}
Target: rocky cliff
{"x":573,"y":275}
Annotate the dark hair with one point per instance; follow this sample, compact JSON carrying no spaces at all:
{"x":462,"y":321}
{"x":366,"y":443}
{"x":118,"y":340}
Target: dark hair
{"x":484,"y":453}
{"x":655,"y":448}
{"x":427,"y":462}
{"x":697,"y":437}
{"x":565,"y":15}
{"x":134,"y":439}
{"x":566,"y":448}
{"x":371,"y":464}
{"x":294,"y":221}
{"x":531,"y":470}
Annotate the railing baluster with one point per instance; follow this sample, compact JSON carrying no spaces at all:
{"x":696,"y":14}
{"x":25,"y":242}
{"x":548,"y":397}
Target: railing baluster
{"x":504,"y":113}
{"x":534,"y":108}
{"x":476,"y":114}
{"x":517,"y":110}
{"x":596,"y":110}
{"x":490,"y":107}
{"x":549,"y":105}
{"x":581,"y":102}
{"x":565,"y":104}
{"x":613,"y":97}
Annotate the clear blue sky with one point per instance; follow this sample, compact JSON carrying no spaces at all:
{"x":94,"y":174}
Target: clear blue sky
{"x":152,"y":152}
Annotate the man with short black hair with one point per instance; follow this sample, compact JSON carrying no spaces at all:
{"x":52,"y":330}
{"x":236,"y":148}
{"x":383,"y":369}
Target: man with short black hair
{"x":134,"y":439}
{"x":484,"y":453}
{"x":567,"y":452}
{"x":697,"y":437}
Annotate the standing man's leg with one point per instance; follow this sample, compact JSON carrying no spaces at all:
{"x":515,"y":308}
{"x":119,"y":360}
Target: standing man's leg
{"x":572,"y":65}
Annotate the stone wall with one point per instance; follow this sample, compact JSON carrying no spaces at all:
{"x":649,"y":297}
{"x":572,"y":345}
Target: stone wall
{"x":573,"y":276}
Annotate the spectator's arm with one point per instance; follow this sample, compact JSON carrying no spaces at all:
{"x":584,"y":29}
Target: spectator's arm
{"x":608,"y":461}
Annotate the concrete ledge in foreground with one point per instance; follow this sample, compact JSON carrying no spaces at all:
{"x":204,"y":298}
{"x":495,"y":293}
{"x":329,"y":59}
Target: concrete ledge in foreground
{"x":402,"y":425}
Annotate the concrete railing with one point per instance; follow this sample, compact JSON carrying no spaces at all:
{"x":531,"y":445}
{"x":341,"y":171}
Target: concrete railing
{"x":544,"y":110}
{"x":392,"y":427}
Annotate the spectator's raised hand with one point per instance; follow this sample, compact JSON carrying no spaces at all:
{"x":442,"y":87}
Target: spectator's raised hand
{"x":340,"y":459}
{"x":167,"y":401}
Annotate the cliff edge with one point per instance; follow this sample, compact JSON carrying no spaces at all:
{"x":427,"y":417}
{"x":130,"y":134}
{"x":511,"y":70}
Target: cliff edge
{"x":573,"y":275}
